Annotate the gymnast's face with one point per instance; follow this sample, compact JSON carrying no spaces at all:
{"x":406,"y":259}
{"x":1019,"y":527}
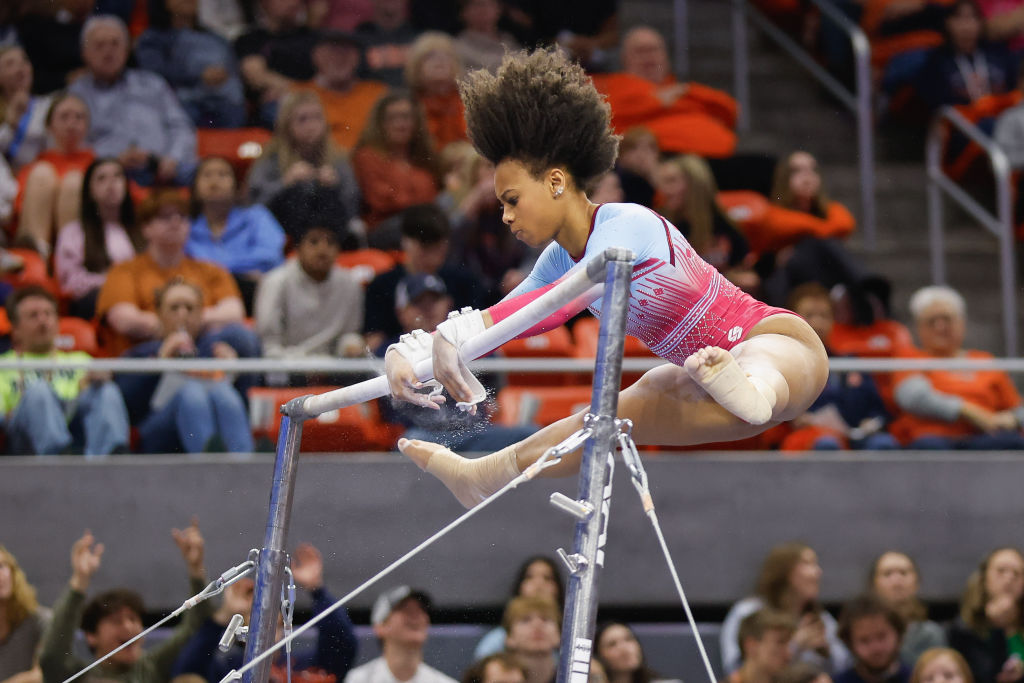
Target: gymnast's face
{"x":530,"y":208}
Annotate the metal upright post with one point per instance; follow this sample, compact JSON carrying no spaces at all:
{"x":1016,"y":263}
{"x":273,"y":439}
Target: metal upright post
{"x":266,"y":604}
{"x":595,"y":480}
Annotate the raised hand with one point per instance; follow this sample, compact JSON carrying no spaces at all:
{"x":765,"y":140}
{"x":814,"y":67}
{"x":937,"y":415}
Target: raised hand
{"x":85,"y":560}
{"x":308,"y":567}
{"x":190,"y":543}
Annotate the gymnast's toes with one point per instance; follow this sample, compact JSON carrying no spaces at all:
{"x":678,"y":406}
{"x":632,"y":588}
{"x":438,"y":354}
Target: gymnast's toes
{"x":418,"y":451}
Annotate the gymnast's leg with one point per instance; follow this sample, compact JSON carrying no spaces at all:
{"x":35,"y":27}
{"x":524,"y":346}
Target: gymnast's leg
{"x":784,"y":364}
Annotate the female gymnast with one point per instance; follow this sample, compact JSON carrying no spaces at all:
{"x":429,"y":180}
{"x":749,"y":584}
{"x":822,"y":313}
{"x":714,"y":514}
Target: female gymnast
{"x":737,"y":366}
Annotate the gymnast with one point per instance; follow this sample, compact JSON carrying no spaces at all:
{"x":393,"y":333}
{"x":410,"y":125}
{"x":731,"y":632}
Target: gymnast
{"x":737,"y":366}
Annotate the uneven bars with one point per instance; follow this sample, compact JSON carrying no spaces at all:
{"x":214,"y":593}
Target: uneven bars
{"x":584,"y":285}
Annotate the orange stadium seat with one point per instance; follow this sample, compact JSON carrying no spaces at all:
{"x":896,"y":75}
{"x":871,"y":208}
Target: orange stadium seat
{"x":356,"y":428}
{"x":240,"y":146}
{"x":556,"y":343}
{"x":34,"y":272}
{"x":540,"y":405}
{"x":76,"y":334}
{"x":366,"y":264}
{"x":585,"y":333}
{"x":744,"y":207}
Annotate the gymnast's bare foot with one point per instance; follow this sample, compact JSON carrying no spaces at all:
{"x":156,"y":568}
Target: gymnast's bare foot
{"x":471,"y":481}
{"x":716,"y":371}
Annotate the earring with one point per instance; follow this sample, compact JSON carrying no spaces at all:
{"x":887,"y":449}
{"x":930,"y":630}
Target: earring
{"x":558,"y":192}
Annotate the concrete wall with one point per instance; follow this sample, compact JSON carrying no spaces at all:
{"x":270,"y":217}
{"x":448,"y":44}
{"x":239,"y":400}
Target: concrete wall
{"x":720,"y":514}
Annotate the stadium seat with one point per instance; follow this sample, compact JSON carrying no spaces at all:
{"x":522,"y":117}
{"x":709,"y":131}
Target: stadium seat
{"x":76,"y":334}
{"x":540,"y":405}
{"x":366,"y":264}
{"x":34,"y":272}
{"x":240,"y":146}
{"x":356,"y":428}
{"x":556,"y":343}
{"x":585,"y":335}
{"x":744,"y":207}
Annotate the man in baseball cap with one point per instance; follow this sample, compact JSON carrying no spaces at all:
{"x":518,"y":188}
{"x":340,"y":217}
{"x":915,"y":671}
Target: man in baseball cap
{"x":401,"y":620}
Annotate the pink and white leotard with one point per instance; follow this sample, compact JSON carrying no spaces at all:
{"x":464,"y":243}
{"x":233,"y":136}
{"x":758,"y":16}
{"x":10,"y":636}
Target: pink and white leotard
{"x":678,"y":302}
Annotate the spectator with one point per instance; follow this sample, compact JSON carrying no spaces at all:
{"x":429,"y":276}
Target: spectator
{"x":432,"y":68}
{"x":849,"y":413}
{"x":274,"y":55}
{"x":534,"y":633}
{"x":422,"y":302}
{"x":607,"y":189}
{"x":689,"y":200}
{"x":23,"y":135}
{"x":941,"y":664}
{"x":227,"y":18}
{"x":51,"y":186}
{"x":790,"y":581}
{"x":763,"y":639}
{"x":335,"y":643}
{"x":966,"y":68}
{"x":588,"y":30}
{"x":501,"y":667}
{"x":47,"y":412}
{"x":802,"y":672}
{"x":310,"y":307}
{"x":686,"y":118}
{"x":637,"y":165}
{"x":199,"y":65}
{"x":342,"y":15}
{"x":394,"y":165}
{"x":621,"y":655}
{"x":8,"y":193}
{"x":112,"y":618}
{"x":300,"y":158}
{"x":482,"y":44}
{"x":482,"y":242}
{"x":22,"y":622}
{"x":347,"y":99}
{"x":135,"y":115}
{"x":51,"y":32}
{"x":949,"y":409}
{"x":872,"y":631}
{"x":988,"y":630}
{"x":894,"y":579}
{"x":247,"y":241}
{"x":425,"y":239}
{"x":387,"y":37}
{"x":104,"y":234}
{"x":538,"y":577}
{"x":179,"y":412}
{"x":401,"y":622}
{"x":126,"y":305}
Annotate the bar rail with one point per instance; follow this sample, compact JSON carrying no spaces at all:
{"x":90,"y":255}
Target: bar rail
{"x":999,"y":223}
{"x":859,"y":101}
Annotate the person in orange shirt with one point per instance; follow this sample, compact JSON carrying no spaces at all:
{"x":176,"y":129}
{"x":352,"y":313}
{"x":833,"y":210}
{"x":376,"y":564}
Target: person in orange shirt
{"x":685,"y":117}
{"x":51,"y":186}
{"x":126,"y":306}
{"x":431,"y":70}
{"x":347,"y":99}
{"x":946,"y":409}
{"x":394,"y":165}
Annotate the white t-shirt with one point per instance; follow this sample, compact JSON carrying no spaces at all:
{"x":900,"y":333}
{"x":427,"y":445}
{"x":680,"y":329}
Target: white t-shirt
{"x":377,"y":671}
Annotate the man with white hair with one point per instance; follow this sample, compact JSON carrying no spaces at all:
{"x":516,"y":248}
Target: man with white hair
{"x":686,"y":117}
{"x":136,"y":117}
{"x":943,"y":409}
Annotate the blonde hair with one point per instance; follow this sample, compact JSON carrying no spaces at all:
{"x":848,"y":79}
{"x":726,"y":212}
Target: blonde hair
{"x":522,"y":607}
{"x":429,"y":41}
{"x":700,"y":205}
{"x":22,"y":602}
{"x":931,"y":654}
{"x":782,"y":195}
{"x":283,"y":145}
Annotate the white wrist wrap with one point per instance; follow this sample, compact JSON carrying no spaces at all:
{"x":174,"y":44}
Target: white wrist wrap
{"x":461,"y":325}
{"x":414,"y":346}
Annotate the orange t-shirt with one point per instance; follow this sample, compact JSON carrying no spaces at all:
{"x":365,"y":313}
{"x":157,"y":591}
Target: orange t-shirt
{"x":347,"y":112}
{"x":989,"y":389}
{"x":390,"y":184}
{"x":700,"y":121}
{"x":137,"y":280}
{"x":782,"y":227}
{"x":78,"y":160}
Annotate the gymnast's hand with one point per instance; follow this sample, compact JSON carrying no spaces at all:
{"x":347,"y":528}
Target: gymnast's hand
{"x":449,"y":371}
{"x":404,"y":384}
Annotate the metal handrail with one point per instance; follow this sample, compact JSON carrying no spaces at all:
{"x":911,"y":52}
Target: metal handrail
{"x":999,"y":224}
{"x":352,"y":366}
{"x":858,"y":102}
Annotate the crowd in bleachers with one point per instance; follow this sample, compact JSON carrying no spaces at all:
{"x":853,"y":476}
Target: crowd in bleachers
{"x":300,"y":173}
{"x":780,"y":633}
